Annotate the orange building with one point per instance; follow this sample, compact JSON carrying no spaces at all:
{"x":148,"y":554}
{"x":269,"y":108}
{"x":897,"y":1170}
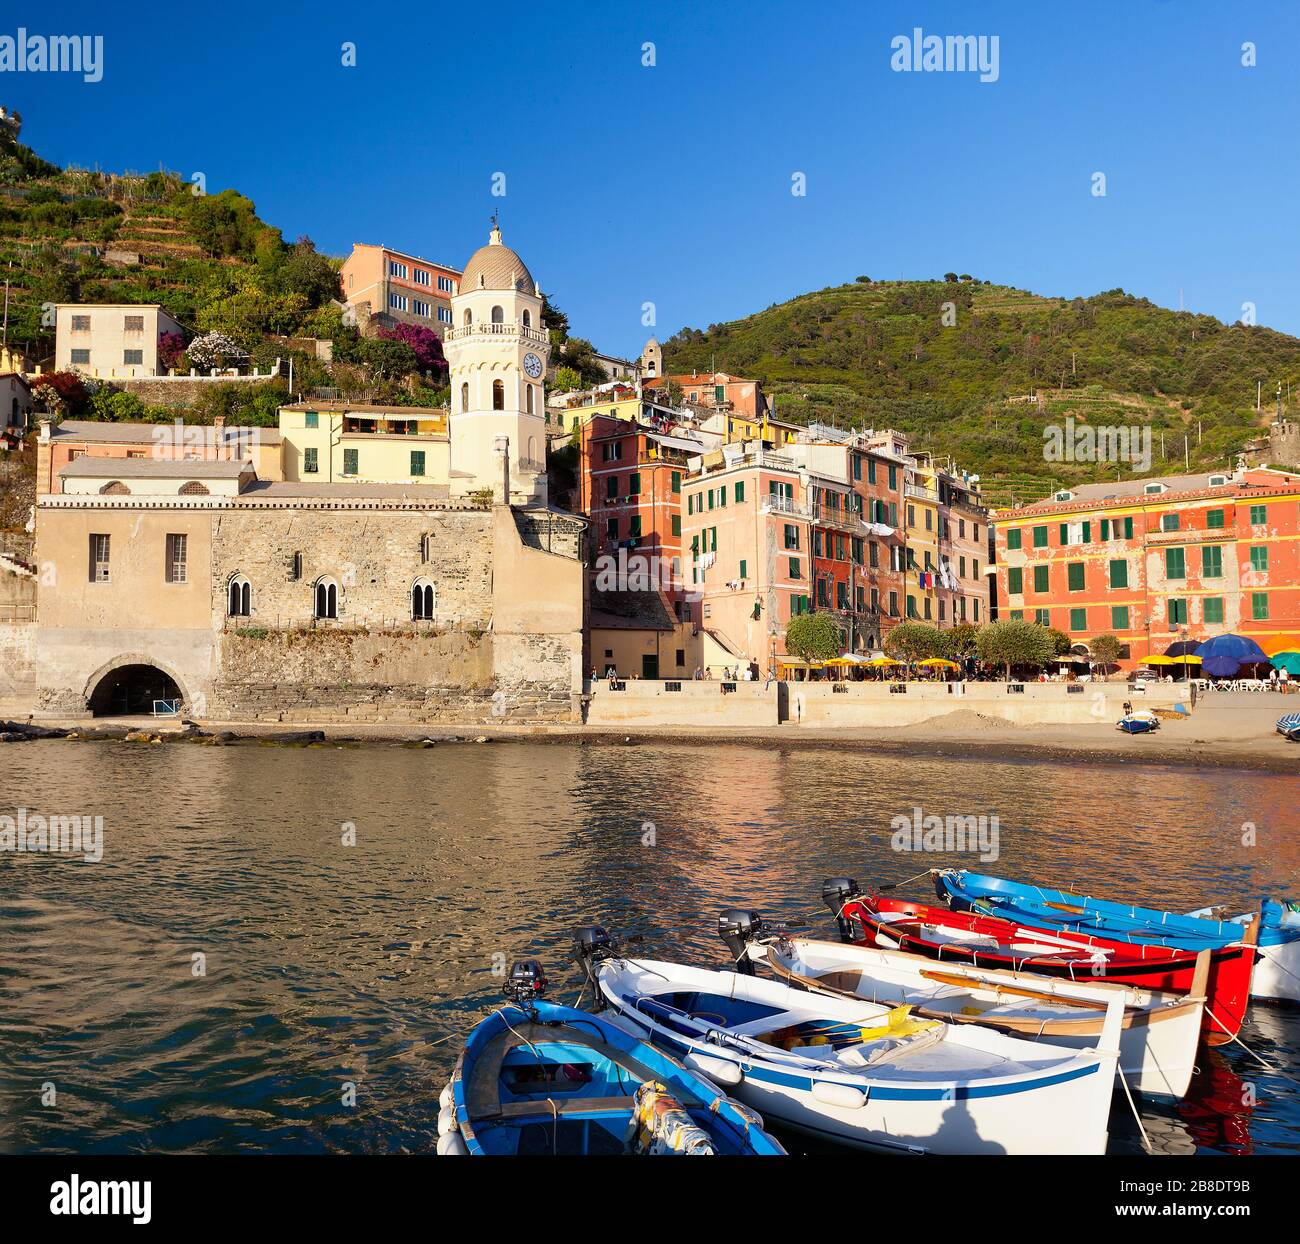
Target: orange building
{"x":718,"y":391}
{"x":385,"y":287}
{"x":630,"y":485}
{"x":1156,"y":561}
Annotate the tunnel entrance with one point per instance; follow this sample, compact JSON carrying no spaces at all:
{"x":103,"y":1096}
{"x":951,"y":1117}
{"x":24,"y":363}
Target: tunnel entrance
{"x":131,"y":690}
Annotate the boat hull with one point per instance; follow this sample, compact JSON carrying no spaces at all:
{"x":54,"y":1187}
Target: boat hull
{"x":1060,"y":1107}
{"x":994,"y":942}
{"x":1157,"y":1043}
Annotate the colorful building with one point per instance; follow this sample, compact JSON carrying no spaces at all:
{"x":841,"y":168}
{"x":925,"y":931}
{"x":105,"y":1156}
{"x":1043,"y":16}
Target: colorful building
{"x":59,"y":444}
{"x":336,"y":441}
{"x":385,"y":287}
{"x":112,"y":341}
{"x":1156,"y":561}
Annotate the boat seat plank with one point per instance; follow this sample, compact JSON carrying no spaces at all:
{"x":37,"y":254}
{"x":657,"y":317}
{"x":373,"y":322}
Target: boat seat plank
{"x":565,"y":1107}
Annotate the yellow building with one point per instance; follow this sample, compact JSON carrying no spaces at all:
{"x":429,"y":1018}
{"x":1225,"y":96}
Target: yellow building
{"x":921,"y":528}
{"x":339,"y":442}
{"x":617,"y":401}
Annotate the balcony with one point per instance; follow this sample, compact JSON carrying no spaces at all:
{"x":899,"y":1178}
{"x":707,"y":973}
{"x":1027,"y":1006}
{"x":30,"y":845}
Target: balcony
{"x":773,"y":504}
{"x":486,"y":328}
{"x":920,"y":494}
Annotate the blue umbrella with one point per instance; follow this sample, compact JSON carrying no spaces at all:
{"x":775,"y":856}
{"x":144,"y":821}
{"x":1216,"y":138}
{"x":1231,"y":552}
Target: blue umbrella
{"x":1224,"y":655}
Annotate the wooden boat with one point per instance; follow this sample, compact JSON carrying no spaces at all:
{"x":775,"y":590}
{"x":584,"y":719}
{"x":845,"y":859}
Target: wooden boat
{"x":860,"y":1073}
{"x":539,"y":1078}
{"x":1277,"y":968}
{"x":993,"y":942}
{"x":1158,"y":1041}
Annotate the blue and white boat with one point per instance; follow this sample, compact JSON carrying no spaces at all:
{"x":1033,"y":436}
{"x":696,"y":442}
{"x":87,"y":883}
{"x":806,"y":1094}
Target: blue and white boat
{"x":1277,"y":968}
{"x":539,"y":1078}
{"x":1290,"y":726}
{"x":863,"y":1074}
{"x":1140,"y":721}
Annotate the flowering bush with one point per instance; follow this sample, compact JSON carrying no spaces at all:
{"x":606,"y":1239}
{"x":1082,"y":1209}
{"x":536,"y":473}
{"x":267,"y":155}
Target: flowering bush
{"x":424,"y":341}
{"x":170,"y":348}
{"x":212,"y":350}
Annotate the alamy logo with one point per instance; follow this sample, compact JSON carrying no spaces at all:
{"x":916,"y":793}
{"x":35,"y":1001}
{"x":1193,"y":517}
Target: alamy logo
{"x":29,"y":833}
{"x":133,"y":1197}
{"x":24,"y":53}
{"x":922,"y":53}
{"x":1081,"y":443}
{"x":921,"y":833}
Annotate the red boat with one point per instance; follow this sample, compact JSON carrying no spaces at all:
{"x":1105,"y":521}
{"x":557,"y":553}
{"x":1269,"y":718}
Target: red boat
{"x":993,"y":942}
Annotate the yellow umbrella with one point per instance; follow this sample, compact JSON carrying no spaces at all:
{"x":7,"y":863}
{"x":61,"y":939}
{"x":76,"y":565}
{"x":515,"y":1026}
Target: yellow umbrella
{"x":840,"y":661}
{"x":880,"y":662}
{"x":1159,"y":660}
{"x":940,"y":663}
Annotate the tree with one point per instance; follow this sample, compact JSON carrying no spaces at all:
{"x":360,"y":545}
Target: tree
{"x":1009,"y":643}
{"x":950,"y":277}
{"x":426,"y":344}
{"x":213,"y":349}
{"x":1060,"y":641}
{"x":170,"y":348}
{"x":60,"y":393}
{"x":566,"y":381}
{"x":387,"y":359}
{"x":1105,"y":651}
{"x":813,"y":637}
{"x":961,"y":639}
{"x":915,"y":641}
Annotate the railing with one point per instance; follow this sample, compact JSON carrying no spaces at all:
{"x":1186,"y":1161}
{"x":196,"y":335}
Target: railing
{"x":774,"y":504}
{"x":921,"y":494}
{"x":17,"y":613}
{"x":486,"y":328}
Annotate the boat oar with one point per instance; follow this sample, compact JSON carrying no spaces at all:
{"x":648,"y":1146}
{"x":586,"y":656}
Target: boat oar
{"x":946,"y":978}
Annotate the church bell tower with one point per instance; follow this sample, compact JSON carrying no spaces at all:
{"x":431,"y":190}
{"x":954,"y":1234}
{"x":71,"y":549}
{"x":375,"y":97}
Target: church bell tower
{"x":496,"y":350}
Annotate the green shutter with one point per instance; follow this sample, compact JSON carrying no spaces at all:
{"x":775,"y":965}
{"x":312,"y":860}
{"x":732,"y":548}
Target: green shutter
{"x":1214,"y":518}
{"x":1118,"y":572}
{"x":1015,"y":581}
{"x":740,"y":490}
{"x":1119,"y":617}
{"x":1258,"y":557}
{"x":1040,"y":537}
{"x":744,"y":569}
{"x":1212,"y":562}
{"x":1078,"y":619}
{"x":1213,"y":609}
{"x":1041,"y":578}
{"x":1013,"y":538}
{"x":1259,"y":605}
{"x":1175,"y":564}
{"x":1074,"y":576}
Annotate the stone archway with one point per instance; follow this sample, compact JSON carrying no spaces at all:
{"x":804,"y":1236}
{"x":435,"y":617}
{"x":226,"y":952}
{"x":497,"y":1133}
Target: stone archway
{"x":129,"y":684}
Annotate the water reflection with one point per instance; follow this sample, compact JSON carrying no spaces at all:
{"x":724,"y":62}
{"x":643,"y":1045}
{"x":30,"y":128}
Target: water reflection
{"x":326,"y":964}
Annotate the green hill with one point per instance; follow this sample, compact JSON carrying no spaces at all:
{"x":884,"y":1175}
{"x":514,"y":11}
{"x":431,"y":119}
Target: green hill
{"x":984,"y":388}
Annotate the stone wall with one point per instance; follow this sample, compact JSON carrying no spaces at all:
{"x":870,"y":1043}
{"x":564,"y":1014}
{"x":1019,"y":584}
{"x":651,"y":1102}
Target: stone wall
{"x":181,"y":391}
{"x":17,"y":666}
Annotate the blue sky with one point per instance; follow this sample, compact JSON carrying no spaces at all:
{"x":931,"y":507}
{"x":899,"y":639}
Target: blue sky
{"x":672,"y":184}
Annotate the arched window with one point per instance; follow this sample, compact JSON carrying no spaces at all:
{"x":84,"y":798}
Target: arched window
{"x":498,"y":316}
{"x":192,"y":489}
{"x":650,"y":367}
{"x":498,"y":395}
{"x":529,"y":387}
{"x":532,"y":449}
{"x":240,"y":597}
{"x":469,"y":317}
{"x":464,"y":396}
{"x":422,"y":601}
{"x":115,"y":489}
{"x":528,"y":319}
{"x":327,"y":599}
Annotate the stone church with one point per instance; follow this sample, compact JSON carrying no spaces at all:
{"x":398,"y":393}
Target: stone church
{"x":196,"y":584}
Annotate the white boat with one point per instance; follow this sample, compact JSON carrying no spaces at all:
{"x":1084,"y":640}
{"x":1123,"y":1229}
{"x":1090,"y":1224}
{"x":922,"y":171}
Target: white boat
{"x":1157,"y":1042}
{"x":1277,"y":966}
{"x":860,"y":1073}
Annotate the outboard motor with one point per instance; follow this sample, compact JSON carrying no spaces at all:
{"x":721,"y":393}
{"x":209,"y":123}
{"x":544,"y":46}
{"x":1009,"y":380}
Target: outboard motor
{"x":526,"y":983}
{"x":736,"y":927}
{"x":591,"y":944}
{"x":836,"y":891}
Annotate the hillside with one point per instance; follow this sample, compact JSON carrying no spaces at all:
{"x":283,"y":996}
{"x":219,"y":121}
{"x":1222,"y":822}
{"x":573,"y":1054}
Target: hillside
{"x":877,"y":353}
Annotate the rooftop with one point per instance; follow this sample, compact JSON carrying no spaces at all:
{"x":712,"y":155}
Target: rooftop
{"x":151,"y":468}
{"x":104,"y":432}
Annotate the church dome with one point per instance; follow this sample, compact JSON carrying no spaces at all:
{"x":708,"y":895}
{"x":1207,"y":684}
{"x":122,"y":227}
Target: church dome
{"x":496,"y":266}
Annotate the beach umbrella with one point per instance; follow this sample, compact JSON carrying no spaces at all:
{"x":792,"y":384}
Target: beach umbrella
{"x":1224,"y":655}
{"x":1283,"y":643}
{"x":1184,"y":647}
{"x":1157,"y":660}
{"x":1289,"y":661}
{"x":940,"y":663}
{"x":880,"y":663}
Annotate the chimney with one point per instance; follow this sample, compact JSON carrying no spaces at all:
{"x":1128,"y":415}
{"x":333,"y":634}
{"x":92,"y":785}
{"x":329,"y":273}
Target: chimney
{"x":45,"y":429}
{"x":501,"y":446}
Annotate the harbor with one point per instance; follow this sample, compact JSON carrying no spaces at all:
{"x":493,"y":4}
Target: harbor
{"x":327,"y":965}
